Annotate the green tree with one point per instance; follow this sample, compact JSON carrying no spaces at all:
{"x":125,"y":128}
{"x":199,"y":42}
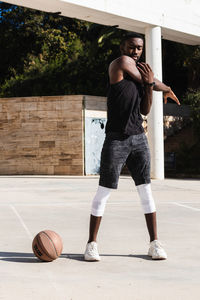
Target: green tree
{"x":65,"y":55}
{"x":47,"y":54}
{"x":181,"y":67}
{"x":31,"y":39}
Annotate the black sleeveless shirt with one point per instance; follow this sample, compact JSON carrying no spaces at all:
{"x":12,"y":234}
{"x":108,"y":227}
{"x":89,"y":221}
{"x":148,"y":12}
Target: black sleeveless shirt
{"x":123,"y":107}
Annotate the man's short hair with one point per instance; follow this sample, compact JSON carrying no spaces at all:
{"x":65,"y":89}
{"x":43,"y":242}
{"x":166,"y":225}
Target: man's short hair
{"x":131,"y":35}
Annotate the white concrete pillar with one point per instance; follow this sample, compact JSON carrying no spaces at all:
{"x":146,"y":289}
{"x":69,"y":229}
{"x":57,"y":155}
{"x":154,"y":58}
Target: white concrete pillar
{"x":155,"y":118}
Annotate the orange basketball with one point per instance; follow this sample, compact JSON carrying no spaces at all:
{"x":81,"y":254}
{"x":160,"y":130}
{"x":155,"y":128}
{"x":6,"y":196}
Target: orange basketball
{"x":47,"y":245}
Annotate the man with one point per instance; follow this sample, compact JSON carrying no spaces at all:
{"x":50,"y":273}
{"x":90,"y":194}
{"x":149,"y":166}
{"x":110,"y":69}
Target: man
{"x":130,"y":93}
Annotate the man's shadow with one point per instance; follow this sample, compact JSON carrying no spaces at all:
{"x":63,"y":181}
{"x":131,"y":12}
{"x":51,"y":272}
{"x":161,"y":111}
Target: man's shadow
{"x":80,"y":257}
{"x":31,"y":258}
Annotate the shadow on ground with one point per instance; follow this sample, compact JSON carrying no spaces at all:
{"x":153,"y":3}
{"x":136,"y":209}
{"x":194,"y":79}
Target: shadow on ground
{"x":80,"y":256}
{"x":30,"y":257}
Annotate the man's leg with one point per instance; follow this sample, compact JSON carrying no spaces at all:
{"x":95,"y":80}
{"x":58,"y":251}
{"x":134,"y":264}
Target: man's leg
{"x":94,"y":228}
{"x":138,"y":163}
{"x":113,"y":156}
{"x":155,"y":251}
{"x":148,"y":205}
{"x":151,"y":225}
{"x":98,"y":207}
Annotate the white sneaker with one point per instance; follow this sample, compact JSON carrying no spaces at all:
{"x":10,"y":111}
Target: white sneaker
{"x":91,"y":252}
{"x":156,"y":251}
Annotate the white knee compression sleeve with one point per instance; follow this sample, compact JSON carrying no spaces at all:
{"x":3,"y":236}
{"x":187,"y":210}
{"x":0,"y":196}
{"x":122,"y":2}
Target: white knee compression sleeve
{"x":146,"y":198}
{"x":99,"y":201}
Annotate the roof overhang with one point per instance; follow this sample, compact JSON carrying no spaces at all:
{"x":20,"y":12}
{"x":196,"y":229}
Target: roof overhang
{"x":179,"y":19}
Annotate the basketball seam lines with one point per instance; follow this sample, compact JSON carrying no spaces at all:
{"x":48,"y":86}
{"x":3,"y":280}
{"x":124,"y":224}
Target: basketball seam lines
{"x":51,"y":242}
{"x":43,"y":249}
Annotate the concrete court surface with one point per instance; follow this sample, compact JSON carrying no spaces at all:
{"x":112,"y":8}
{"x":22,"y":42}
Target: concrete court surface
{"x":30,"y":204}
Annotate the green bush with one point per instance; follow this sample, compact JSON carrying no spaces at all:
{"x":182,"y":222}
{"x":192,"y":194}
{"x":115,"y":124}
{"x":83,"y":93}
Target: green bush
{"x":192,"y":98}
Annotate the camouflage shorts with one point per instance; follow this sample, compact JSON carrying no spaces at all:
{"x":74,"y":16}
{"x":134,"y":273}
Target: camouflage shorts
{"x":120,"y":149}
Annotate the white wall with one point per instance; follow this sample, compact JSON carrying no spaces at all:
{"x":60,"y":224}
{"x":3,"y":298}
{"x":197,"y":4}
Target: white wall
{"x":179,"y":19}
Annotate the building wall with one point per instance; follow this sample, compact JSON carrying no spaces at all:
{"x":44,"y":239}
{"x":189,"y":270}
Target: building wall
{"x":41,"y":135}
{"x":179,"y":19}
{"x":47,"y":135}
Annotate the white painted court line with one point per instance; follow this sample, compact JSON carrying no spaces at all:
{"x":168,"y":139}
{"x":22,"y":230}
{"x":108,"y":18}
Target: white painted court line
{"x":190,"y":202}
{"x":48,"y":273}
{"x":21,"y":221}
{"x":186,"y":206}
{"x":69,"y":204}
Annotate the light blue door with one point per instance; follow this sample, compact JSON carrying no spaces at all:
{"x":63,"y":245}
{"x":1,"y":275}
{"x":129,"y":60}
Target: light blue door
{"x":94,"y":138}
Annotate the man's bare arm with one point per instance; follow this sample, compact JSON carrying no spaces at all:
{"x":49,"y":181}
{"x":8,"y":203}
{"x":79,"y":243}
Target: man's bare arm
{"x":160,"y":86}
{"x":120,"y":66}
{"x":147,"y":76}
{"x":167,"y":91}
{"x":131,"y":68}
{"x":126,"y":64}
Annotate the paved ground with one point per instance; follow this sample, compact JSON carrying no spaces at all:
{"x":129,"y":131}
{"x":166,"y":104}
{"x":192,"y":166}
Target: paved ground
{"x":30,"y":204}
